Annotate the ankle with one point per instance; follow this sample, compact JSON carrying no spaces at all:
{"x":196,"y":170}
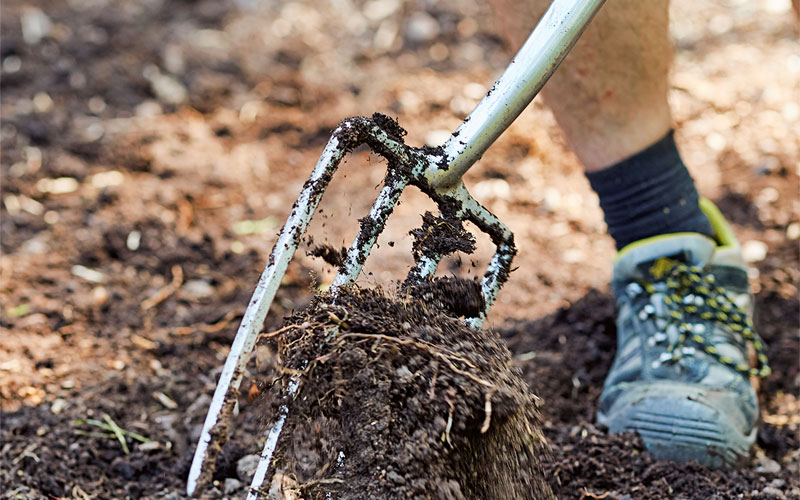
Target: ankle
{"x":648,"y":194}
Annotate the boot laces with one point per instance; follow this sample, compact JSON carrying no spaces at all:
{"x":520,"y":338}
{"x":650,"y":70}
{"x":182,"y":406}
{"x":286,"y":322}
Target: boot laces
{"x":692,"y":299}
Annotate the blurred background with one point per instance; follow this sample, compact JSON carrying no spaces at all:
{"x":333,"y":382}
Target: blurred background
{"x":152,"y":149}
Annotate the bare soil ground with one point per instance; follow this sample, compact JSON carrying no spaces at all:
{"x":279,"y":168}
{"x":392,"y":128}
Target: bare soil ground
{"x":151,"y":149}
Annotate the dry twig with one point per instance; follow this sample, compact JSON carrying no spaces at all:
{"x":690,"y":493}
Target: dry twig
{"x":164,"y":293}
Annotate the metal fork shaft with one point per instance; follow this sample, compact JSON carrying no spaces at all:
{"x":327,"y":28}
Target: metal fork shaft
{"x":525,"y":76}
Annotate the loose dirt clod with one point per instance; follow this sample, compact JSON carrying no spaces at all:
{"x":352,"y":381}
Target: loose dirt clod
{"x":329,"y":254}
{"x":441,"y":235}
{"x":456,"y":296}
{"x":399,"y":400}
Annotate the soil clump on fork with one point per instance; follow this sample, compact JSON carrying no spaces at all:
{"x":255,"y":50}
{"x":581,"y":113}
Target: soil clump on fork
{"x":399,"y":399}
{"x":329,"y":254}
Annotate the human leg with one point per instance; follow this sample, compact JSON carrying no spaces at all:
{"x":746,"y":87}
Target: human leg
{"x":610,"y":94}
{"x":681,"y":374}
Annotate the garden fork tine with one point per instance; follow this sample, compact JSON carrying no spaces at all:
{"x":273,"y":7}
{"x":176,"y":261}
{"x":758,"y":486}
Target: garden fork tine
{"x":436,"y":172}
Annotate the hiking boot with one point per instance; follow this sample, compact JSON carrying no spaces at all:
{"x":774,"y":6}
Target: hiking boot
{"x":685,"y":342}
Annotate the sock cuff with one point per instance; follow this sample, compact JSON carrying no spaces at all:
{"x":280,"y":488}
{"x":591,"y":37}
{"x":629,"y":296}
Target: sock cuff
{"x":641,"y":167}
{"x":649,"y":193}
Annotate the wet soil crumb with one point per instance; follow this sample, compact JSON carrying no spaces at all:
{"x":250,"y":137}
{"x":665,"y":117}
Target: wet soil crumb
{"x":400,"y":401}
{"x":329,"y":254}
{"x":441,"y":235}
{"x":390,"y":126}
{"x":456,"y":296}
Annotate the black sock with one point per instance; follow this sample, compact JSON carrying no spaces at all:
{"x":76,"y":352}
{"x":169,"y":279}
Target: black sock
{"x":648,"y":194}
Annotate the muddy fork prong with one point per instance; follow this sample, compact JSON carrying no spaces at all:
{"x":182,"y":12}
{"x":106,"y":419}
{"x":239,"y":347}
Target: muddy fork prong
{"x":349,"y":134}
{"x":215,"y":428}
{"x":499,"y":266}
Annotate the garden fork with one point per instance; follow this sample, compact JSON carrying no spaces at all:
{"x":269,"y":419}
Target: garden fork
{"x":437,"y":172}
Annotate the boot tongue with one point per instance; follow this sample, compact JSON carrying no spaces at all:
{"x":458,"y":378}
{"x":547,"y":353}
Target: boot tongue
{"x":634,"y":260}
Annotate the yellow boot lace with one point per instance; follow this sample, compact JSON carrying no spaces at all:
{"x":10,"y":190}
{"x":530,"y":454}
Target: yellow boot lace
{"x":692,"y":299}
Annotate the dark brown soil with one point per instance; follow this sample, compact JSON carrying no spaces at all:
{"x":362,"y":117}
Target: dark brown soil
{"x":459,"y":297}
{"x":150,"y":151}
{"x":329,"y":254}
{"x":441,"y":235}
{"x":413,"y":404}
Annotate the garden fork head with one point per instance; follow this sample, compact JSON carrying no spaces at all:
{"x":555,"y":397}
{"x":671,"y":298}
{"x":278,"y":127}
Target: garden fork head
{"x":406,"y":165}
{"x":437,"y":172}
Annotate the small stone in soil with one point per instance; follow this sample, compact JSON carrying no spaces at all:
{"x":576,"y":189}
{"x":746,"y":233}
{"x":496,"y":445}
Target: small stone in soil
{"x":231,"y":485}
{"x":246,"y":466}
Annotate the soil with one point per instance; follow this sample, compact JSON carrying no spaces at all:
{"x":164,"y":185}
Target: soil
{"x":459,"y":297}
{"x":442,"y":235}
{"x":329,"y":254}
{"x":414,"y":404}
{"x":151,"y":150}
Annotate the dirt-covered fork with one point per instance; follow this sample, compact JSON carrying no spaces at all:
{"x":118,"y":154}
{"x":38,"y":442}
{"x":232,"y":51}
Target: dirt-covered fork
{"x":437,"y":172}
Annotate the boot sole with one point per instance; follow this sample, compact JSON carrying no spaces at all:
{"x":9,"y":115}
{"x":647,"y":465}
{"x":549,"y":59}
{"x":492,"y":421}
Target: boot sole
{"x":679,"y":427}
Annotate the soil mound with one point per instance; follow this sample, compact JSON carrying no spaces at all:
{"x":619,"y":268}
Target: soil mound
{"x":399,"y":399}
